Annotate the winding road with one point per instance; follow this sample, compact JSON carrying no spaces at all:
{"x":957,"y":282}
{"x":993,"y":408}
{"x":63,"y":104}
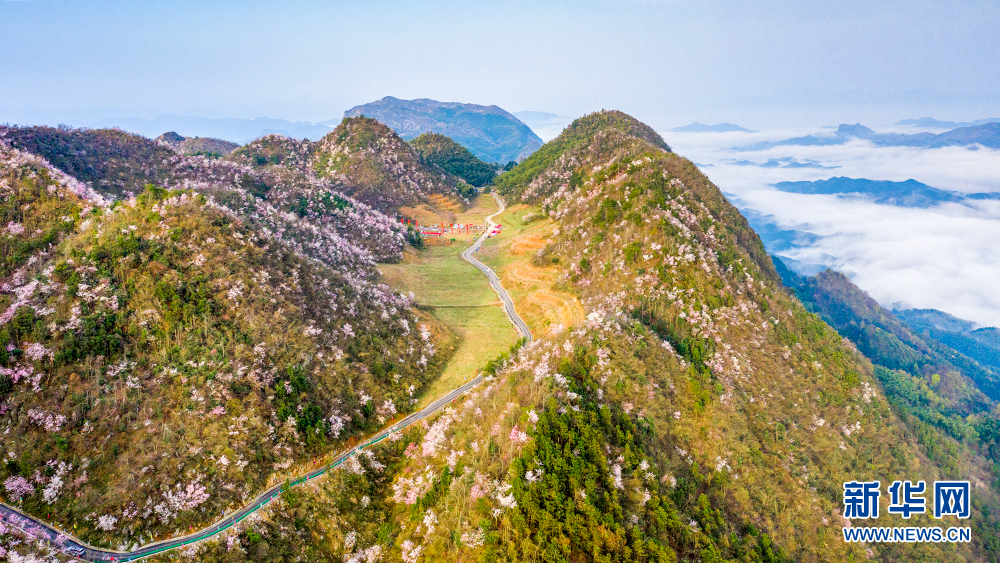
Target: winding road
{"x":469,"y":256}
{"x":73,"y":546}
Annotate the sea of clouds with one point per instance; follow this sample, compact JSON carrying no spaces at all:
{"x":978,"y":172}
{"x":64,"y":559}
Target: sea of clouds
{"x":944,"y":257}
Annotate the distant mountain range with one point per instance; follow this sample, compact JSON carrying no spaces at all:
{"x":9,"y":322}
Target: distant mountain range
{"x":785,"y":162}
{"x":899,"y":340}
{"x":986,"y":134}
{"x":932,"y":123}
{"x":702,"y":128}
{"x":910,"y":193}
{"x":980,"y":344}
{"x":489,"y":132}
{"x":235,"y":130}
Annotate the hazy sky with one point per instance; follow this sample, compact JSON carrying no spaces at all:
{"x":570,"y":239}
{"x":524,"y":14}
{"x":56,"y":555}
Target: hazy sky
{"x":759,"y":64}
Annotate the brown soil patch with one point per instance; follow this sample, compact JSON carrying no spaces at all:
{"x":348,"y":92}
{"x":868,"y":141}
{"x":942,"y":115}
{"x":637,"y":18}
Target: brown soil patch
{"x":558,"y":308}
{"x":526,"y":274}
{"x":439,"y":241}
{"x":544,"y":304}
{"x":446,"y":203}
{"x":523,"y":245}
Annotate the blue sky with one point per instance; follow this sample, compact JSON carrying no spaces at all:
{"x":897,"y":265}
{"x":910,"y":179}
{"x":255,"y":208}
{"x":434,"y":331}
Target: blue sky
{"x":666,"y":62}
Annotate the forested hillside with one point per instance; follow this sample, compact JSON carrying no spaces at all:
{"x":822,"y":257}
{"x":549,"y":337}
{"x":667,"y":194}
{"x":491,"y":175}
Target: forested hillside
{"x":454,"y":158}
{"x":376,"y":166}
{"x":946,"y":399}
{"x":699,"y":413}
{"x":164,"y":356}
{"x":194,"y":146}
{"x":112,"y":161}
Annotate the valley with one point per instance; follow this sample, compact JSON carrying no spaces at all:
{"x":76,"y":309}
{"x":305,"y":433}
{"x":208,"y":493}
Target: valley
{"x":456,"y":294}
{"x":184,"y":334}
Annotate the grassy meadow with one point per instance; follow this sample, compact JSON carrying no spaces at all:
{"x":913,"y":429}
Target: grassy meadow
{"x":458,"y":295}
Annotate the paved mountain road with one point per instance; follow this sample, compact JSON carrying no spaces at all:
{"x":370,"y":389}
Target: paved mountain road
{"x":469,"y":255}
{"x":70,"y":545}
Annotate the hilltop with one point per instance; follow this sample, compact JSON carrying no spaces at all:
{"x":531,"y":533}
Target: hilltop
{"x":454,"y":159}
{"x":197,"y":145}
{"x":114,"y":162}
{"x":376,"y":166}
{"x":489,"y":132}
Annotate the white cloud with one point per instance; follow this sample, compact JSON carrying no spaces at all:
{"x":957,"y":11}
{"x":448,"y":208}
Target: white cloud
{"x":944,"y":257}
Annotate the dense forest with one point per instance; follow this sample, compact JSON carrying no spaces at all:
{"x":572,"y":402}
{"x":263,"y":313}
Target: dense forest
{"x":454,"y":159}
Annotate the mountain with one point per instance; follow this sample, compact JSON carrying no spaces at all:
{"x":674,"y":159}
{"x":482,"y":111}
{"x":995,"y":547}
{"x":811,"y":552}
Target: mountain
{"x":454,"y":159}
{"x":784,"y":162}
{"x":491,"y":133}
{"x":378,"y":167}
{"x":777,"y":239}
{"x":910,"y":193}
{"x":980,"y":344}
{"x":702,"y":128}
{"x":693,"y":366}
{"x":166,"y":356}
{"x":946,"y":398}
{"x":931,"y":123}
{"x":119,"y":165}
{"x":197,"y":145}
{"x":986,"y":134}
{"x":885,"y":338}
{"x":230,"y":129}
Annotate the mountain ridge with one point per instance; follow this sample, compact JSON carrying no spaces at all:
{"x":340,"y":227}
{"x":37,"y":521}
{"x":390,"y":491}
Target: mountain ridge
{"x":909,"y":193}
{"x":135,"y":325}
{"x":694,"y":410}
{"x":986,"y":134}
